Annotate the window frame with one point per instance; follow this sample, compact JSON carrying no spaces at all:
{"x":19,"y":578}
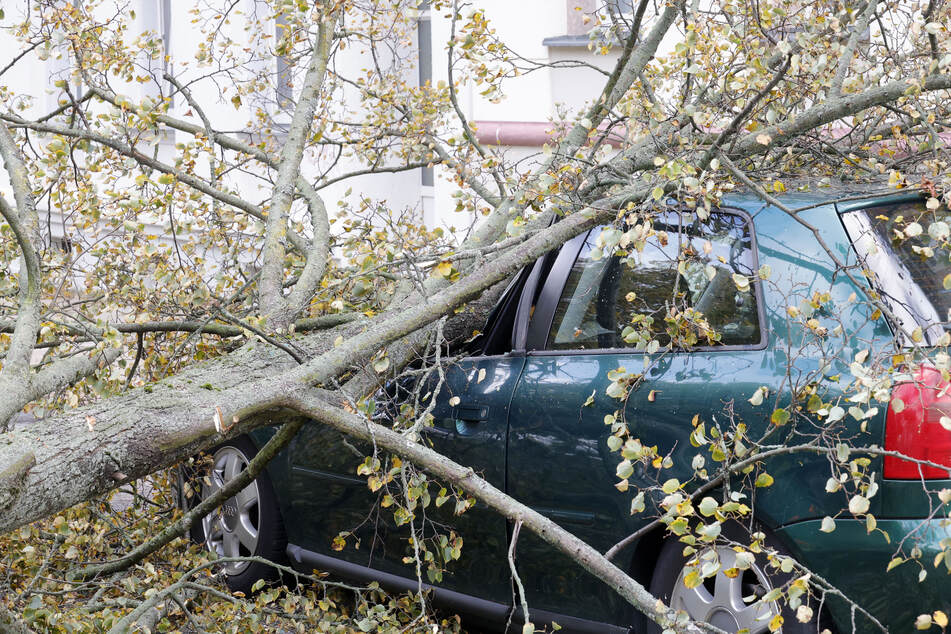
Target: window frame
{"x":539,"y":325}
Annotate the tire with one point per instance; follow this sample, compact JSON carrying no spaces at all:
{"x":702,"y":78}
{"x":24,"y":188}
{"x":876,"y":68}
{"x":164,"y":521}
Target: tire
{"x":718,"y":600}
{"x":250,"y":523}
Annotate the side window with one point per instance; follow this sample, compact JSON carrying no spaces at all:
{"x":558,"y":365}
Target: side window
{"x":681,"y":283}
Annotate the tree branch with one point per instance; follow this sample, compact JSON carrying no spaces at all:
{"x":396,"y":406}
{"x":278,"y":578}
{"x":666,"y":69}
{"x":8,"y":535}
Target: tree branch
{"x":465,"y":478}
{"x":845,"y":58}
{"x":273,"y":304}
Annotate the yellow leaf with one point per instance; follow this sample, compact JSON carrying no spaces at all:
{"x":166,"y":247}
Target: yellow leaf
{"x":940,"y":618}
{"x":443,"y":269}
{"x":692,"y":579}
{"x":776,"y":623}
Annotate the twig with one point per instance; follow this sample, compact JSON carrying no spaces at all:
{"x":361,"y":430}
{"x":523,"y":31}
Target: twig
{"x":138,"y":357}
{"x":518,"y":580}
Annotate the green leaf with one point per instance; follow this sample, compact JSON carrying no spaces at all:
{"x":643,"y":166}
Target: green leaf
{"x":836,"y":413}
{"x":679,"y":526}
{"x":742,"y":282}
{"x":637,"y":504}
{"x":772,"y":595}
{"x":670,"y":486}
{"x":708,"y":506}
{"x":779,"y":417}
{"x":764,"y":480}
{"x":616,"y":390}
{"x":590,"y":400}
{"x":858,"y":504}
{"x":842,"y":451}
{"x":625,"y":469}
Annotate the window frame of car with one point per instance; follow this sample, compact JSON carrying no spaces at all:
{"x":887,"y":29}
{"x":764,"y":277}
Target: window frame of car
{"x":535,"y":330}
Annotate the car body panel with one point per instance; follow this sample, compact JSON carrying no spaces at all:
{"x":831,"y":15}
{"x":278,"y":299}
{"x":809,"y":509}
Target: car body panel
{"x":855,"y":562}
{"x":326,"y":497}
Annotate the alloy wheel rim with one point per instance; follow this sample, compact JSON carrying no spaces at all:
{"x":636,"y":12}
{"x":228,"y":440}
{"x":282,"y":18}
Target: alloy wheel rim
{"x":232,"y":529}
{"x":719,"y":599}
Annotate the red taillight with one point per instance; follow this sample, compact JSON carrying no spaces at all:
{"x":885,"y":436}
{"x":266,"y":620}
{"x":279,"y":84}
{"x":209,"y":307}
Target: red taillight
{"x":916,"y":431}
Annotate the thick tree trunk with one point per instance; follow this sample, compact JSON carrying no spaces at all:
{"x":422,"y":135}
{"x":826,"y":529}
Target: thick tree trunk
{"x":53,"y":464}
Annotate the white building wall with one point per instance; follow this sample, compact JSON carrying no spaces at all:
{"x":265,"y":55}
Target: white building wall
{"x":534,"y":97}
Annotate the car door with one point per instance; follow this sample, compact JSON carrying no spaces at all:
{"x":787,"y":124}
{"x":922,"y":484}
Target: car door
{"x":329,"y":508}
{"x":559,"y":459}
{"x":329,"y":501}
{"x":470,"y":427}
{"x":470,"y":399}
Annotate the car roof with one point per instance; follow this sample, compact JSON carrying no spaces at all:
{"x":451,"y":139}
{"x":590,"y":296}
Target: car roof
{"x":844,"y":198}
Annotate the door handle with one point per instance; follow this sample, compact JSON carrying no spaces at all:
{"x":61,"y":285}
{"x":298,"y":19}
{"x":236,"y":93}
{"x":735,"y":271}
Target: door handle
{"x":462,"y":421}
{"x":471,"y":413}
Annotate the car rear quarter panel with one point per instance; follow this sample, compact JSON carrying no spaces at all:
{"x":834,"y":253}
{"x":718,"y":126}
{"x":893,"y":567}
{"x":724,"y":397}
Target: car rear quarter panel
{"x":799,"y":268}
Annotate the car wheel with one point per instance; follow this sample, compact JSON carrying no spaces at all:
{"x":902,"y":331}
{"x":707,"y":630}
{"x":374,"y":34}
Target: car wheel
{"x":719,"y":599}
{"x":247,"y":524}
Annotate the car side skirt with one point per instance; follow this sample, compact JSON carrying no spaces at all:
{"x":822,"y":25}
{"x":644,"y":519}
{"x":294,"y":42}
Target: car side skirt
{"x":488,"y":611}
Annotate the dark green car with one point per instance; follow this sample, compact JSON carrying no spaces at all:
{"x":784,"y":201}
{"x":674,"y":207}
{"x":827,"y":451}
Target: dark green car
{"x":527,"y":409}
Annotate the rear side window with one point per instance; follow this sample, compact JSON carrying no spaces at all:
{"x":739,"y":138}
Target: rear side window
{"x":906,"y":255}
{"x":701,"y":271}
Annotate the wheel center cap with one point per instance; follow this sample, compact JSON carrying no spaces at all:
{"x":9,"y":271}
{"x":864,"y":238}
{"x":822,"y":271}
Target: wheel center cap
{"x":724,"y":620}
{"x":229,"y":511}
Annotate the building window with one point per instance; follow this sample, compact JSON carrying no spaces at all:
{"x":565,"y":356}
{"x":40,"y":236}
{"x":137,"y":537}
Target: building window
{"x":165,"y":32}
{"x":155,"y":16}
{"x":621,"y":6}
{"x":424,"y":39}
